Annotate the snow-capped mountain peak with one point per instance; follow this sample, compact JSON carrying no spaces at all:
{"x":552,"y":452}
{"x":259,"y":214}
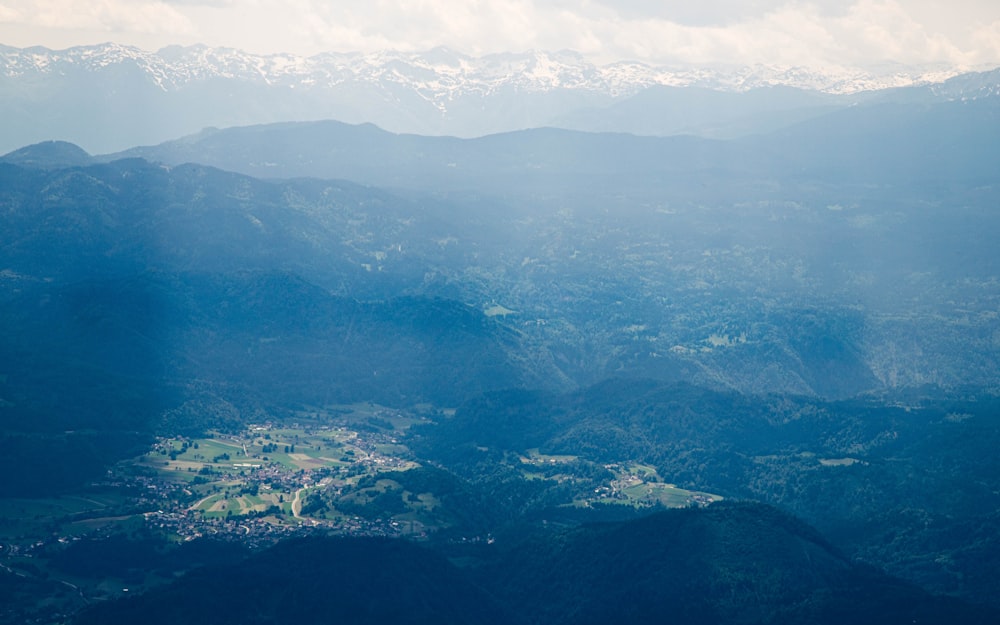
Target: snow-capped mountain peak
{"x":176,"y":66}
{"x":112,"y":96}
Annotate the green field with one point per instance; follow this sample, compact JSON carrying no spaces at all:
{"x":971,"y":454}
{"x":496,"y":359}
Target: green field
{"x":67,"y":515}
{"x":288,"y":448}
{"x":331,"y":465}
{"x":260,"y":471}
{"x":631,"y":484}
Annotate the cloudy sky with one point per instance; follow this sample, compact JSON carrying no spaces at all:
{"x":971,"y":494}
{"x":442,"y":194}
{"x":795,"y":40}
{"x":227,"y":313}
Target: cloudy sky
{"x":792,"y":32}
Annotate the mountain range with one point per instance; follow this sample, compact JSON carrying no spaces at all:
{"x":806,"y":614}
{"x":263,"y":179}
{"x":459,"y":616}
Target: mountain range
{"x":787,"y":262}
{"x":109,"y":97}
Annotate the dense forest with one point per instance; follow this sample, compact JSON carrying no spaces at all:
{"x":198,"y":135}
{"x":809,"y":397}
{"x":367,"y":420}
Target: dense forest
{"x":730,"y":563}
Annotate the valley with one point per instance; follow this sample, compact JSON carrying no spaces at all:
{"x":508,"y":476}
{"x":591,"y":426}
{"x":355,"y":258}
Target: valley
{"x":337,"y":471}
{"x":273,"y":479}
{"x":500,"y":468}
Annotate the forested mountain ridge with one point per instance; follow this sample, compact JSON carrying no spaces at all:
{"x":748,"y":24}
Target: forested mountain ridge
{"x":859,"y":470}
{"x":859,"y":228}
{"x":125,"y":283}
{"x":852,"y":294}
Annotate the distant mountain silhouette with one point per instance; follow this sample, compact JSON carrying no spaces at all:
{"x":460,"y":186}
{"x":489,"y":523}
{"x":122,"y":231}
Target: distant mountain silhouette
{"x":877,"y":142}
{"x":48,"y":155}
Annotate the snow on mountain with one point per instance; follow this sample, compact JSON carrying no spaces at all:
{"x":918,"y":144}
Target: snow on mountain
{"x":441,"y":73}
{"x":970,"y":86}
{"x":110,"y":97}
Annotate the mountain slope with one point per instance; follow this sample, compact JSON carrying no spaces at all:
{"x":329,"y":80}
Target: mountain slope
{"x":728,"y":564}
{"x":663,"y":110}
{"x":859,"y":470}
{"x":356,"y":581}
{"x":130,"y":290}
{"x":813,"y":260}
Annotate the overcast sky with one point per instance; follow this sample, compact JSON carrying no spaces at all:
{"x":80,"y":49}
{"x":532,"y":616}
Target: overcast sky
{"x":817,"y":33}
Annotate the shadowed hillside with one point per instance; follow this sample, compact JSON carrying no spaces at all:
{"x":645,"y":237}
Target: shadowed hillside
{"x":729,"y":564}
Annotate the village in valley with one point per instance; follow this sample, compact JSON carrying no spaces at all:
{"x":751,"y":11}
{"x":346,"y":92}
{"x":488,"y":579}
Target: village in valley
{"x":342,"y":470}
{"x":256,"y":485}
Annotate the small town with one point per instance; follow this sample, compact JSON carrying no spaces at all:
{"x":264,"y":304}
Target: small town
{"x":273,"y":481}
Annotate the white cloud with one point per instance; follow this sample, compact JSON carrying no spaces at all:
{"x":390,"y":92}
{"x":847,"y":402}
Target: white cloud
{"x":791,"y":32}
{"x":700,"y":13}
{"x":7,"y":14}
{"x":111,"y":16}
{"x":883,"y":29}
{"x":986,"y":43}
